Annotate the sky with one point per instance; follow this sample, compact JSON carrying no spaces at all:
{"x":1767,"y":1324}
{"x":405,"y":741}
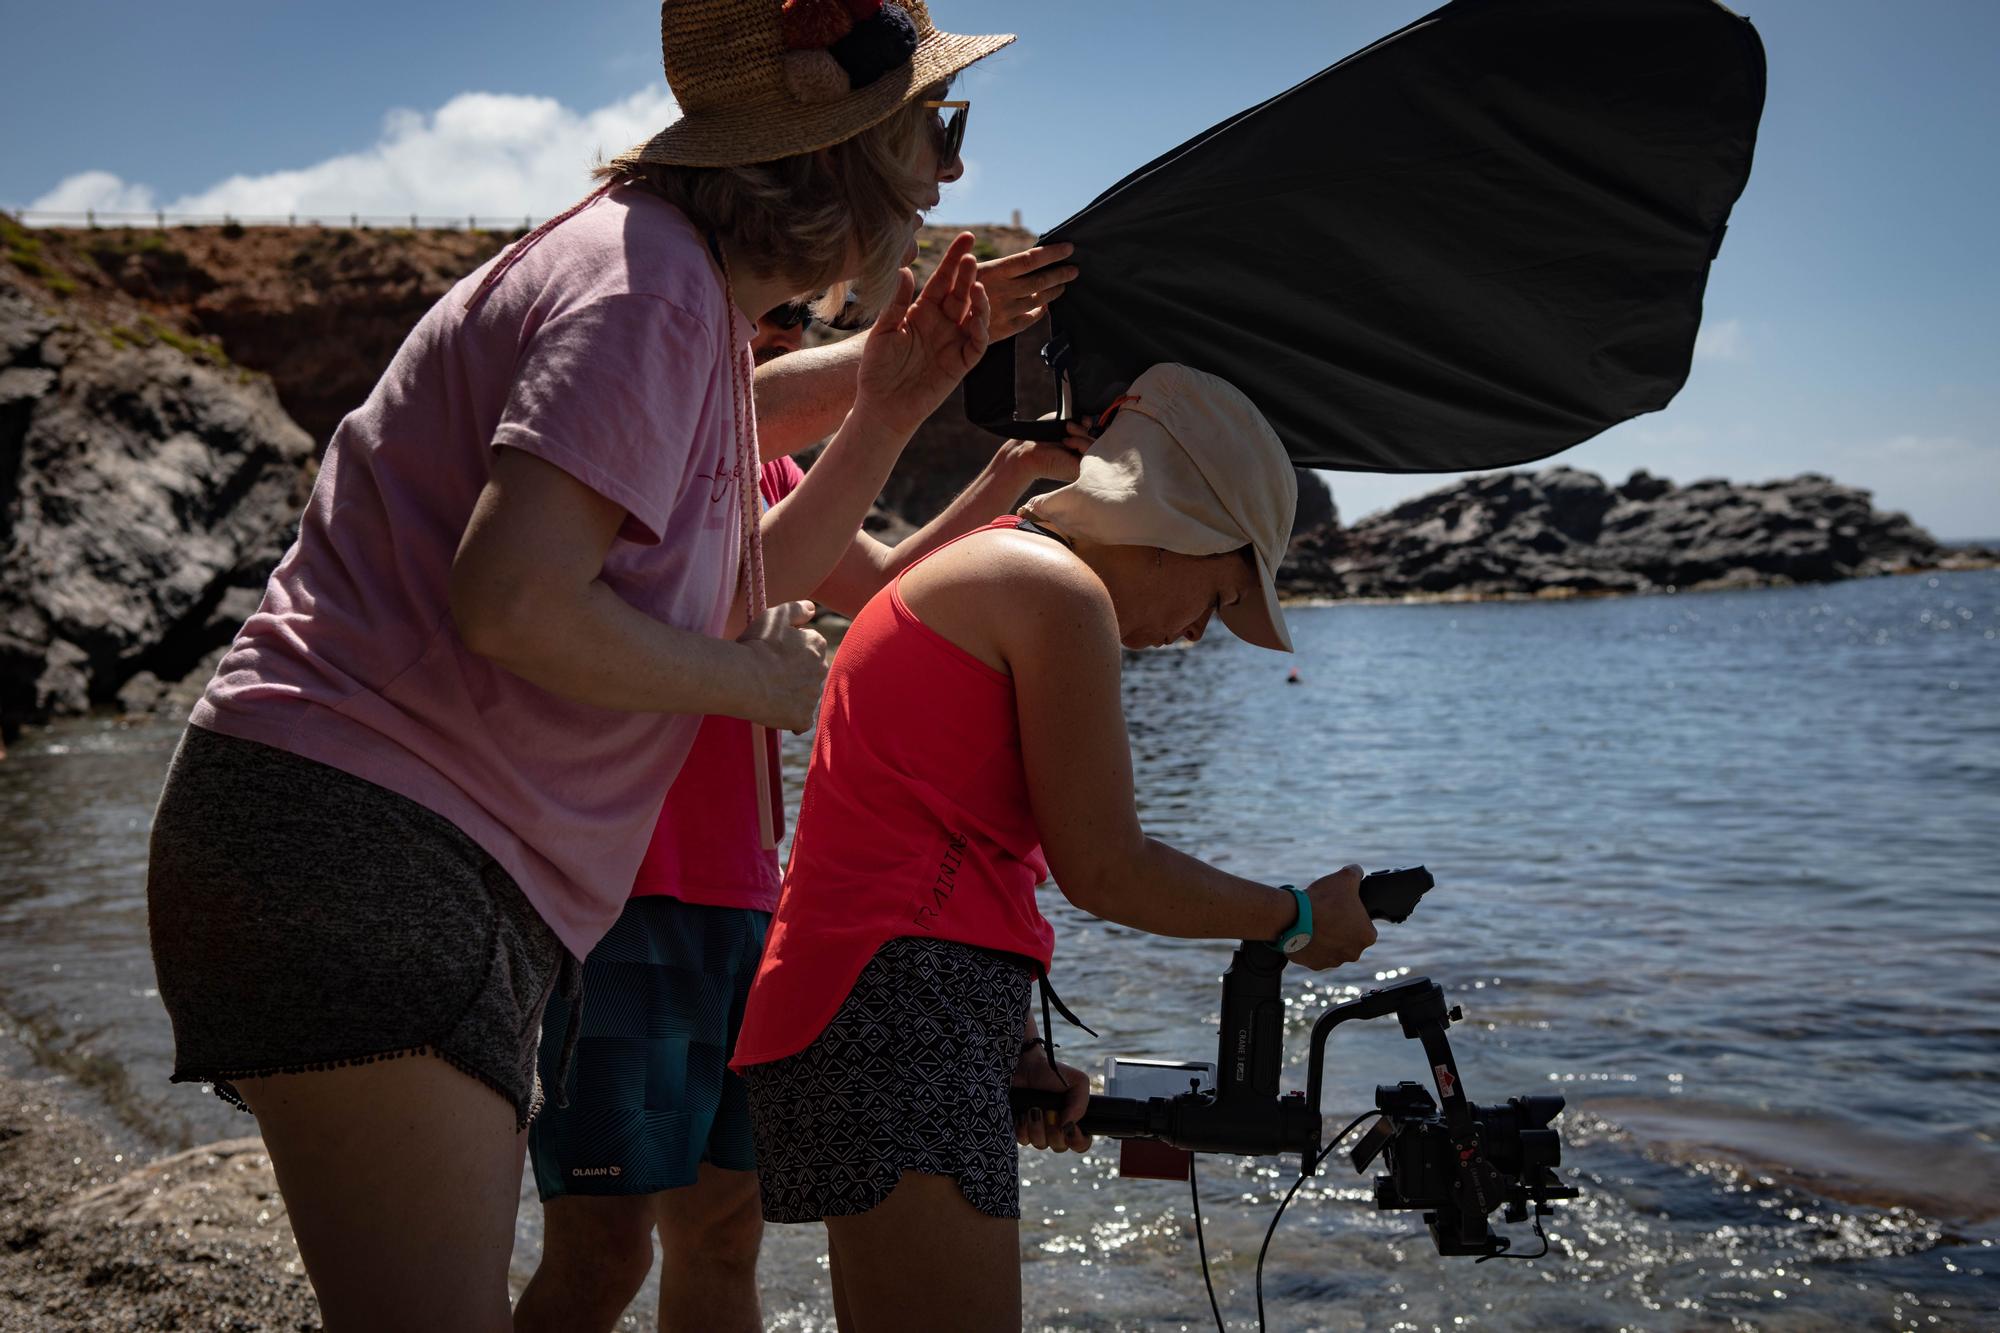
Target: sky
{"x":1850,"y":325}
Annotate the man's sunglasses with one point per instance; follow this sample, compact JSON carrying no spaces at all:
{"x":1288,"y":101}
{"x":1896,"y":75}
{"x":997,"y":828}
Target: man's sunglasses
{"x":951,"y":136}
{"x":790,"y":315}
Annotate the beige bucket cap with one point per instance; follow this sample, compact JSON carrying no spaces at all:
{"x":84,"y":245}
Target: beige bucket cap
{"x":1190,"y":465}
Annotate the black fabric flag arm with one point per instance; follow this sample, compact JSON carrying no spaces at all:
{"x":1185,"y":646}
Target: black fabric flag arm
{"x":1473,"y":244}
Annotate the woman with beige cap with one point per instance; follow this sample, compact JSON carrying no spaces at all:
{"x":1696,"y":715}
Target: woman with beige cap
{"x":972,"y":742}
{"x":419,"y":785}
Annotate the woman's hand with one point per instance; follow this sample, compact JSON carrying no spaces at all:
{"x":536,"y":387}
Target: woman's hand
{"x":1033,"y":1129}
{"x":791,"y":661}
{"x":1341,"y":929}
{"x":919,"y":350}
{"x":1021,"y":286}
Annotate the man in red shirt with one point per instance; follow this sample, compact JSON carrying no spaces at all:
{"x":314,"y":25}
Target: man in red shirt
{"x":656,"y":1132}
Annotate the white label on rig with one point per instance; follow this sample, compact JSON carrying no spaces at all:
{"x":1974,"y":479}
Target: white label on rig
{"x":1145,"y":1159}
{"x":1159,"y":1078}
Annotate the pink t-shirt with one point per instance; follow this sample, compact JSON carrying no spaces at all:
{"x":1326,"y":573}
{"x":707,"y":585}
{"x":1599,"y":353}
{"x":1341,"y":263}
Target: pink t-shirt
{"x":708,"y":847}
{"x":606,"y":351}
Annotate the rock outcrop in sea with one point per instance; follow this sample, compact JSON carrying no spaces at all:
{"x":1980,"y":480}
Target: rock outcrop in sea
{"x":1562,"y":532}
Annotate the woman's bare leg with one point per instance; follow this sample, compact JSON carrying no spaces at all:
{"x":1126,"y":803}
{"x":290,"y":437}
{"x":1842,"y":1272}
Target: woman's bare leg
{"x":402,"y":1178}
{"x":923,"y":1250}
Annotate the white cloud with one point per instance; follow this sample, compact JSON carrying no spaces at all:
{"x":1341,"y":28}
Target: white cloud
{"x":99,"y":190}
{"x":496,"y":155}
{"x":1723,"y":340}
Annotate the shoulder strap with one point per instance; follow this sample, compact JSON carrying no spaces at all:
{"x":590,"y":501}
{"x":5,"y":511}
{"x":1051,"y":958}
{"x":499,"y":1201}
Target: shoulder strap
{"x":1023,"y":524}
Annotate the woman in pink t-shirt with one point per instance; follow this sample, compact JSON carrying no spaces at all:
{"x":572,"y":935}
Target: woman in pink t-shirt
{"x":419,"y":784}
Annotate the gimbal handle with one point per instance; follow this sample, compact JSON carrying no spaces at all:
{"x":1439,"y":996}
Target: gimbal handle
{"x":1237,"y":1116}
{"x":1244,"y":1112}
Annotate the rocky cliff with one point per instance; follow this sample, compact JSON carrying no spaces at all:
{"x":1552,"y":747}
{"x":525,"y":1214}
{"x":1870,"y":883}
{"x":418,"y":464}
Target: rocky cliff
{"x":319,"y":310}
{"x":147,"y":487}
{"x":163,"y":395}
{"x":322,"y":310}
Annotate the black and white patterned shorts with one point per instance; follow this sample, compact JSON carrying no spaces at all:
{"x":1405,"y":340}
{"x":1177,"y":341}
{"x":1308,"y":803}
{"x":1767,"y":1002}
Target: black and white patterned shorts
{"x":910,"y":1075}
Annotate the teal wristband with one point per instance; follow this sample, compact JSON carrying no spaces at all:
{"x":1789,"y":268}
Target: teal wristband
{"x":1301,"y":932}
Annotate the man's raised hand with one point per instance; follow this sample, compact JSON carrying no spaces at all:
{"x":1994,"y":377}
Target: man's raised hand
{"x":1020,"y":286}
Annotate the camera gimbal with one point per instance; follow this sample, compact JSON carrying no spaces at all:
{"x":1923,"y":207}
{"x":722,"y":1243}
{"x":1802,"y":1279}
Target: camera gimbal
{"x":1455,"y":1161}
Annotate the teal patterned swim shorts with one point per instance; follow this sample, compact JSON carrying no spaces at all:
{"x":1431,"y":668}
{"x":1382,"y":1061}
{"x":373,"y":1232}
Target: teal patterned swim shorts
{"x":651,"y":1096}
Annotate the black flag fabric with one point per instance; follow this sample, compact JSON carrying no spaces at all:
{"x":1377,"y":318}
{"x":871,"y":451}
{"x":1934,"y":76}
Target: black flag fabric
{"x":1475,"y":243}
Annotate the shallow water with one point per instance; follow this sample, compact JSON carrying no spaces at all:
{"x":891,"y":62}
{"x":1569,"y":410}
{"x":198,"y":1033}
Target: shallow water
{"x":1720,"y":869}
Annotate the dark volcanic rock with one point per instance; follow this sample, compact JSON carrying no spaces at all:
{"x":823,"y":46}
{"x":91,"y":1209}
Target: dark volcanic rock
{"x":139,"y":485}
{"x":1562,"y":531}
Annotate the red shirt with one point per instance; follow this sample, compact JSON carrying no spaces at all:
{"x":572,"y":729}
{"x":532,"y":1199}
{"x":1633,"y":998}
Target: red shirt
{"x":915,"y":822}
{"x":707,"y":847}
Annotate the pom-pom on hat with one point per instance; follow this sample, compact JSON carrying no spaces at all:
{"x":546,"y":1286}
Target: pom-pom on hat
{"x":814,"y":25}
{"x":759,"y":80}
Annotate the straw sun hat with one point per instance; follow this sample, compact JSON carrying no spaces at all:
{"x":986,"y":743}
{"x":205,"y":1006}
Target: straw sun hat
{"x":762,"y":79}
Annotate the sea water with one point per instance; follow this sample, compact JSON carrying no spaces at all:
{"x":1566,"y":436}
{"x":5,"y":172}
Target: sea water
{"x":1723,"y":870}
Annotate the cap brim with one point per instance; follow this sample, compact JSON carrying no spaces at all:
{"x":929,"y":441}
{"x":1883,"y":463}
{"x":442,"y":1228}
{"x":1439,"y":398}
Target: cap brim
{"x":764,"y":131}
{"x":1259,"y":620}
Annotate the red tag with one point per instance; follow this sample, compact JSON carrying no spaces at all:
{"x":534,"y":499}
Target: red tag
{"x":1149,"y":1159}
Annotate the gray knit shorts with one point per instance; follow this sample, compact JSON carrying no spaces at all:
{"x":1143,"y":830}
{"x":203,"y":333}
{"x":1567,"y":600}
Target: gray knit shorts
{"x":304,"y":919}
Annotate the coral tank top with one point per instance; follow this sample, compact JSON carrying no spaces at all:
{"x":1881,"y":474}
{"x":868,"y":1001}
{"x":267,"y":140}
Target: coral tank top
{"x":915,"y":822}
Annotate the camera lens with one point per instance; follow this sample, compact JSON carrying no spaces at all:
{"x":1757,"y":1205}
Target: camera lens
{"x":1538,"y":1111}
{"x":1540,"y":1148}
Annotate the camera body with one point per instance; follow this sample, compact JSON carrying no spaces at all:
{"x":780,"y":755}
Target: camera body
{"x":1512,"y":1164}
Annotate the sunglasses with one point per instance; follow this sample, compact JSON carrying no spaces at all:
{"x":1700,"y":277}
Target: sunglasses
{"x":790,"y":315}
{"x":951,"y":128}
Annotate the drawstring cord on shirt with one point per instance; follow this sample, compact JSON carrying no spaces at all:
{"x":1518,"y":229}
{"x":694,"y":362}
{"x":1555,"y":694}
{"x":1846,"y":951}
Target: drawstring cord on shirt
{"x":521,"y":247}
{"x":749,"y":460}
{"x":749,"y":471}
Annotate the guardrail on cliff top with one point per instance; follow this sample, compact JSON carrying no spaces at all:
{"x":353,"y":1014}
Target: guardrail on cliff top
{"x":35,"y":217}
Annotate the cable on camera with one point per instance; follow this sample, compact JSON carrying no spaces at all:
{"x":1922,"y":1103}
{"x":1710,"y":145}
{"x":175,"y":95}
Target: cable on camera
{"x":1272,"y":1230}
{"x":1538,"y":1254}
{"x":1201,"y":1242}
